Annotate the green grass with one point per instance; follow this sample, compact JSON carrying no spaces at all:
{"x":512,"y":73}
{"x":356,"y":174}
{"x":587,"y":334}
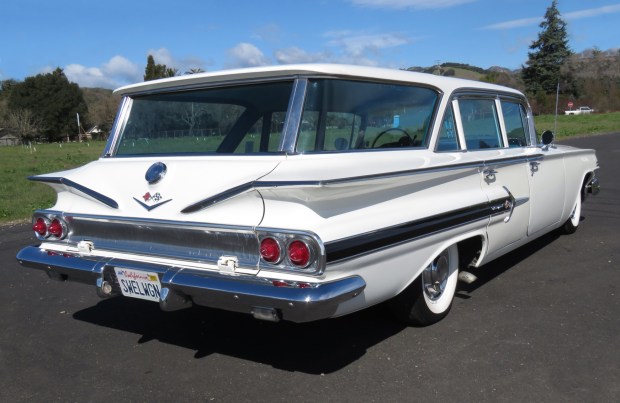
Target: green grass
{"x":19,"y":197}
{"x":579,"y":125}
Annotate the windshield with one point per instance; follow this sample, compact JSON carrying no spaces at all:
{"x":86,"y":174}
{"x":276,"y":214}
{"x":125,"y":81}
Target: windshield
{"x":244,"y":119}
{"x":342,"y":115}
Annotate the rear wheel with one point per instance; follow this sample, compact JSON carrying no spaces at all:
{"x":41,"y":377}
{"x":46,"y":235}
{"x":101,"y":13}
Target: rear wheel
{"x":571,"y":225}
{"x":429,"y":298}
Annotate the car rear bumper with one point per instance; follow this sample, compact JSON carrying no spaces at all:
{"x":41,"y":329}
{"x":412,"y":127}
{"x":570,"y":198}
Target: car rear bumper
{"x":180,"y":288}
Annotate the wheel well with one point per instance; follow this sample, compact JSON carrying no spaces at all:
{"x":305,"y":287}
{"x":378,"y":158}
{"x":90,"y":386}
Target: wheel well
{"x":584,"y":191}
{"x":469,"y":251}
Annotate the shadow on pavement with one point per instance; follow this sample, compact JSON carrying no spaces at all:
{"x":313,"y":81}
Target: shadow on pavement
{"x":317,"y":347}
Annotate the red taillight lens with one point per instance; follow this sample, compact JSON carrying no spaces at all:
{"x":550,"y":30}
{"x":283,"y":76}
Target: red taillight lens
{"x":40,"y":227}
{"x":298,"y":253}
{"x":55,"y":229}
{"x":270,"y":250}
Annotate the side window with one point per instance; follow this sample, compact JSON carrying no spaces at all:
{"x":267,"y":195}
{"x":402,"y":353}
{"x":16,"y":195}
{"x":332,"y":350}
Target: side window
{"x":264,"y":135}
{"x":515,"y":119}
{"x":448,"y":139}
{"x":480,"y":124}
{"x":350,"y":115}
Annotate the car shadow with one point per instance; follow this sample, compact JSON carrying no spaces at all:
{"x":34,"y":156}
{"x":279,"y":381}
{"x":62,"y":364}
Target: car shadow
{"x":320,"y":347}
{"x":504,"y":263}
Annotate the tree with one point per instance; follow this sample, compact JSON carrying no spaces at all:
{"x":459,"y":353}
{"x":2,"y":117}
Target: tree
{"x":154,"y":71}
{"x":549,"y":53}
{"x":25,"y":122}
{"x":194,"y":70}
{"x":53,"y":98}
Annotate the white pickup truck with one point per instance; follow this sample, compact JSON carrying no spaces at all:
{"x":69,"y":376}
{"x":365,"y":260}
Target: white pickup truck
{"x":582,"y":110}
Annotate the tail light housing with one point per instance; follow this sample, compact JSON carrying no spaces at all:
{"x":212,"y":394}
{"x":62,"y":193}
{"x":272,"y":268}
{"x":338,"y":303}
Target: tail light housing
{"x":300,"y":252}
{"x":50,"y":227}
{"x":40,"y":227}
{"x":270,"y":250}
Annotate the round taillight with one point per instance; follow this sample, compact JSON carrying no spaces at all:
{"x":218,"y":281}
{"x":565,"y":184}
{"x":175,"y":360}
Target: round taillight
{"x":298,"y":253}
{"x":40,"y":227}
{"x":270,"y":250}
{"x":56,"y":229}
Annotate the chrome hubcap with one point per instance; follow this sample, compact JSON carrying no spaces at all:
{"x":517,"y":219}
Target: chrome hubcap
{"x":435,"y":276}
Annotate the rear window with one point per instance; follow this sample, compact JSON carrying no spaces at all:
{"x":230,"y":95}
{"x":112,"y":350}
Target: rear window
{"x":231,"y":120}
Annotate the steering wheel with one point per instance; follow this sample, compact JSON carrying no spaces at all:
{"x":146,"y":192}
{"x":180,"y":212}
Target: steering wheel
{"x":390,"y":129}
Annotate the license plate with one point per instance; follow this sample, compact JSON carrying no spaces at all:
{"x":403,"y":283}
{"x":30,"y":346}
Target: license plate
{"x":138,"y":284}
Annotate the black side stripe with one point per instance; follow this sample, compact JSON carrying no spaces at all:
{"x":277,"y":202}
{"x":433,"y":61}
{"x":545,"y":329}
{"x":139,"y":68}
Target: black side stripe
{"x":67,"y":182}
{"x":362,"y":244}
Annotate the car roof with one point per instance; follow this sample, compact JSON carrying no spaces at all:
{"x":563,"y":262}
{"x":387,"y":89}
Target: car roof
{"x":445,"y":84}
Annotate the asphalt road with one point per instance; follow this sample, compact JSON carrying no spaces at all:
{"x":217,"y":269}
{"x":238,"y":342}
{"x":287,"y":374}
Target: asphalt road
{"x":541,"y":324}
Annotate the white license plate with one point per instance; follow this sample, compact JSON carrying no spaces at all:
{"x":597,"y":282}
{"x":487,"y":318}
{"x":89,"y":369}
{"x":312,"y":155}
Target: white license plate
{"x":138,"y":284}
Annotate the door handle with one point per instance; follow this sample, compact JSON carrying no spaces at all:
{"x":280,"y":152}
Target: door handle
{"x":534,"y":167}
{"x":489,"y":173}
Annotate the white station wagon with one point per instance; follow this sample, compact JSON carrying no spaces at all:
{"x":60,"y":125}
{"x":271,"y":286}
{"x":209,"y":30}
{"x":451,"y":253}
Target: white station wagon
{"x":306,"y":192}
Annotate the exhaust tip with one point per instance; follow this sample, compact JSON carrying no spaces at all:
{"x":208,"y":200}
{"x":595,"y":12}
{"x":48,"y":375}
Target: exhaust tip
{"x":268,"y":314}
{"x":467,"y":277}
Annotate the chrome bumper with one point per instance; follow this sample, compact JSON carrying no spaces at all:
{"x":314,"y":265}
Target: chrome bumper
{"x":182,"y":287}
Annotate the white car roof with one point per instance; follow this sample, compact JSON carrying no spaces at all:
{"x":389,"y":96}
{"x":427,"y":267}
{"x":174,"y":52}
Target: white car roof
{"x":445,"y":84}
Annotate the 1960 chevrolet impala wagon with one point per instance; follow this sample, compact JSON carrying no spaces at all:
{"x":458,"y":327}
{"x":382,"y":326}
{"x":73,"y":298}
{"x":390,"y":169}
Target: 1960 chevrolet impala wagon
{"x":308,"y":192}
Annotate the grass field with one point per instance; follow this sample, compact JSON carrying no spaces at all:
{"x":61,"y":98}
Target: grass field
{"x":19,"y":197}
{"x":579,"y":125}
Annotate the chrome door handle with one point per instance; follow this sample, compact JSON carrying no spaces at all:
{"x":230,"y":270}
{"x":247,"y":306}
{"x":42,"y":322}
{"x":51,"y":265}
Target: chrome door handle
{"x":489,"y":173}
{"x":534,"y":167}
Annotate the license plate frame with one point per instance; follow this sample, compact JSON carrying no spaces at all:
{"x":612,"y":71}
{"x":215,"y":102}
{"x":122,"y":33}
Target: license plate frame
{"x":138,"y":283}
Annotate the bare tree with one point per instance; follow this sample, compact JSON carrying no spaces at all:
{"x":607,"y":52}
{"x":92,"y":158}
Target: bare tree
{"x":25,"y":122}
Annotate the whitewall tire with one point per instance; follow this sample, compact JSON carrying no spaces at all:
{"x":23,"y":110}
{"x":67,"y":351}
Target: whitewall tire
{"x":429,"y":298}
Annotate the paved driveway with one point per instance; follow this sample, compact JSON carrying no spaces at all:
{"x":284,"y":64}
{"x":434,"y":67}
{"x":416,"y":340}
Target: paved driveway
{"x":541,"y":324}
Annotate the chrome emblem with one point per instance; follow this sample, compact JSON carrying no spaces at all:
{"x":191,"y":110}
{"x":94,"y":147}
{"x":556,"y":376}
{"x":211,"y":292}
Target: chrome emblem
{"x":151,"y":201}
{"x":155,"y":173}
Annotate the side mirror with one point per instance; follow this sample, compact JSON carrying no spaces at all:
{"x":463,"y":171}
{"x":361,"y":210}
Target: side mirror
{"x":547,"y":137}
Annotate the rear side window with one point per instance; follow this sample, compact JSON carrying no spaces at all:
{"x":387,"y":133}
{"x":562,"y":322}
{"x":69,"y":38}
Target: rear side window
{"x":448,"y":138}
{"x":480,"y":124}
{"x":515,"y":119}
{"x":342,"y":115}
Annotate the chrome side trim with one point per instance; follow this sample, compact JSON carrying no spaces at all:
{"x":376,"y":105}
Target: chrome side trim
{"x":237,"y":293}
{"x":118,"y":126}
{"x":69,"y":183}
{"x":293,"y":116}
{"x":255,"y":185}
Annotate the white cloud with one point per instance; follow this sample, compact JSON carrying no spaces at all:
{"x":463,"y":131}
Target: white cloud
{"x":114,"y":73}
{"x":417,"y":4}
{"x":592,"y":12}
{"x":164,"y":56}
{"x":268,"y":33}
{"x":247,"y":55}
{"x":346,"y":46}
{"x":575,"y":15}
{"x":362,"y":47}
{"x":296,"y":55}
{"x":522,"y":22}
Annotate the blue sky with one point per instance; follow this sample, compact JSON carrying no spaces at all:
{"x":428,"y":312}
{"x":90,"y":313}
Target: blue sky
{"x":106,"y":43}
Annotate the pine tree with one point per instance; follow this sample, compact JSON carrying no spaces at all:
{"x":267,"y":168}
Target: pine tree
{"x":154,"y":71}
{"x":549,"y":52}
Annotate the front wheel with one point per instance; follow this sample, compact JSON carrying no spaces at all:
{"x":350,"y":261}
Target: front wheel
{"x":429,"y":298}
